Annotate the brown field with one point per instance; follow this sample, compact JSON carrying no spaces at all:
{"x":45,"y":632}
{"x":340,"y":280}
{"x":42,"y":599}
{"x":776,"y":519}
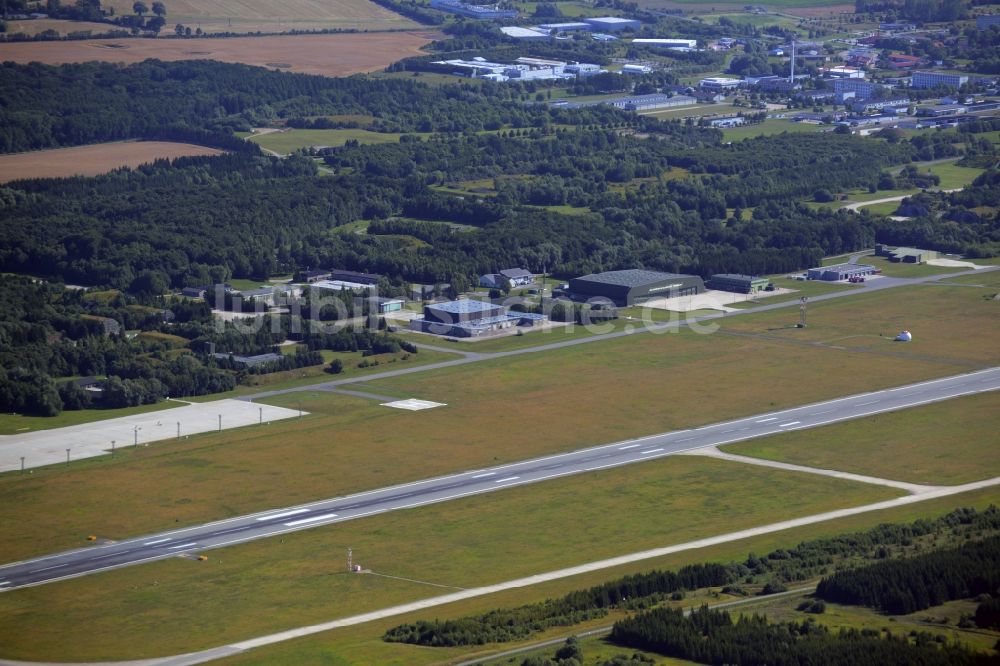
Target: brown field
{"x":36,"y":26}
{"x":273,"y":15}
{"x":329,"y":55}
{"x":93,"y":160}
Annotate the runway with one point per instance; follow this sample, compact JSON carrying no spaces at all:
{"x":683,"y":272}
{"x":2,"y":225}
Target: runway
{"x":193,"y":540}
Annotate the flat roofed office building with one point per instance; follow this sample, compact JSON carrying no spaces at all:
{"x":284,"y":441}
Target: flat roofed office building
{"x":632,"y":286}
{"x":841,"y":272}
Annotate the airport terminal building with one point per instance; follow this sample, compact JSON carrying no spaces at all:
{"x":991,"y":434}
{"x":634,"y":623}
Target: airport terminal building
{"x":633,"y":286}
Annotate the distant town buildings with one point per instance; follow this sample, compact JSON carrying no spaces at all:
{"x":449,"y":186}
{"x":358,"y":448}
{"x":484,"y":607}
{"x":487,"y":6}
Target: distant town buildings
{"x":487,"y":12}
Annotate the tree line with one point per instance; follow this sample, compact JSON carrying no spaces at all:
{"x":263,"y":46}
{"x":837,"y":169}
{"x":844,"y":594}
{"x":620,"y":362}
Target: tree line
{"x":505,"y":625}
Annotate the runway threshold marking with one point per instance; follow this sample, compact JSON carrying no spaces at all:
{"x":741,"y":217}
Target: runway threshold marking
{"x":153,"y":543}
{"x":790,"y":423}
{"x":284,"y":514}
{"x":312,"y":519}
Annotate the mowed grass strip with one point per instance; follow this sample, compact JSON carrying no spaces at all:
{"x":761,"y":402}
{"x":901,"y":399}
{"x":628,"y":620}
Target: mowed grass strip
{"x":497,"y":411}
{"x":950,"y":324}
{"x":363,"y":645}
{"x":941,"y":621}
{"x":274,"y":584}
{"x":945,"y":443}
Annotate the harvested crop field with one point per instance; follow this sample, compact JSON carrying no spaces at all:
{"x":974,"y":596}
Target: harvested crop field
{"x":274,"y":15}
{"x":93,"y":160}
{"x":330,"y":55}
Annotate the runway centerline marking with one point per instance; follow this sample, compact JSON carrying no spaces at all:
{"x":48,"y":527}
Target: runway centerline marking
{"x":509,"y":478}
{"x":483,"y":476}
{"x":183,"y":545}
{"x":790,"y":423}
{"x":862,"y":404}
{"x":773,"y":418}
{"x":47,"y":568}
{"x":153,"y":543}
{"x":644,"y":453}
{"x":284,"y":514}
{"x":311,"y":519}
{"x":630,"y":446}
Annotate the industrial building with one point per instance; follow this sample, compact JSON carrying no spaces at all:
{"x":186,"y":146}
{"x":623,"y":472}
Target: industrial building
{"x":524,"y":69}
{"x":613,"y":23}
{"x":890,"y":105}
{"x":935,"y":79}
{"x":845,"y":72}
{"x":738,"y":284}
{"x":573,"y":26}
{"x":488,"y":12}
{"x":632,"y":286}
{"x":636,"y":69}
{"x":526,"y":34}
{"x":469,"y":319}
{"x":839,"y":272}
{"x":651,"y":101}
{"x":906,"y":255}
{"x":685,"y":44}
{"x":720,"y":83}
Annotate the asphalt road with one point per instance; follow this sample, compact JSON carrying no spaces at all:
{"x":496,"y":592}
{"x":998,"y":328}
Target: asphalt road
{"x":193,"y":540}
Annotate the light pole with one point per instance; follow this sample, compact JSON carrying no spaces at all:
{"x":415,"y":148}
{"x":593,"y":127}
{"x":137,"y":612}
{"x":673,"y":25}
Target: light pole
{"x":178,"y":430}
{"x":260,"y":420}
{"x":220,"y":422}
{"x":135,"y":436}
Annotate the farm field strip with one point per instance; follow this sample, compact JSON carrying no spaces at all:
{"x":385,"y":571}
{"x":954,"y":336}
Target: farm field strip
{"x":94,"y":159}
{"x":328,"y":55}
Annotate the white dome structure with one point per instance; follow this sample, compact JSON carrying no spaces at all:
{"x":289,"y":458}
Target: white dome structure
{"x":904,"y":336}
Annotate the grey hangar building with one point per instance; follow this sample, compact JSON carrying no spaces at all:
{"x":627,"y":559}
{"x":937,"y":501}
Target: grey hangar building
{"x":629,"y":287}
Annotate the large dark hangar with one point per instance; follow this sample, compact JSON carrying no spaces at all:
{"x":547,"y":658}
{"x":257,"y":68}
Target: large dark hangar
{"x":635,"y":285}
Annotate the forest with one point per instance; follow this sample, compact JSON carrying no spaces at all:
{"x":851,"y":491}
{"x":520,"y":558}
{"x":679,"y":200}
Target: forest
{"x":42,"y":106}
{"x":155,"y":348}
{"x":205,"y":220}
{"x":908,"y":585}
{"x":713,"y":637}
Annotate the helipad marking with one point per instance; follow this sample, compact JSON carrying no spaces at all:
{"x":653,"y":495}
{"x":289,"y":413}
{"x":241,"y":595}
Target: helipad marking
{"x":413,"y":405}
